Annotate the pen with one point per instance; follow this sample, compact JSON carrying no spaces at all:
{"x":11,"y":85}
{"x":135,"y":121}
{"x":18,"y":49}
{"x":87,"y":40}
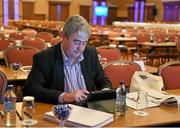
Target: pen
{"x":27,"y":114}
{"x":17,"y":113}
{"x":20,"y":117}
{"x":2,"y":114}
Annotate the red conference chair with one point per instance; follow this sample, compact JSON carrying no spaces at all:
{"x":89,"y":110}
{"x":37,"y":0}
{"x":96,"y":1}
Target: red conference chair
{"x":6,"y":43}
{"x":110,"y":53}
{"x":170,"y":73}
{"x":3,"y":85}
{"x":46,"y":36}
{"x":120,"y":70}
{"x":35,"y":42}
{"x":17,"y":35}
{"x":20,"y":54}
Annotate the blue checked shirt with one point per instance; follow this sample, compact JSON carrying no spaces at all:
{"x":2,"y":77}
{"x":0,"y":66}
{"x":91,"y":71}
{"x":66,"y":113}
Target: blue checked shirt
{"x":73,"y":77}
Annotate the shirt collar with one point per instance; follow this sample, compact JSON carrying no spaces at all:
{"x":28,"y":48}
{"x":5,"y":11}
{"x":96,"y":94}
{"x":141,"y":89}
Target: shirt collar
{"x":67,"y":60}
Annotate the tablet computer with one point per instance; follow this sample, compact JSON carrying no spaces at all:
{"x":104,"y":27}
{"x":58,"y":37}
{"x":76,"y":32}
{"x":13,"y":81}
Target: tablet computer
{"x":102,"y":95}
{"x":102,"y":100}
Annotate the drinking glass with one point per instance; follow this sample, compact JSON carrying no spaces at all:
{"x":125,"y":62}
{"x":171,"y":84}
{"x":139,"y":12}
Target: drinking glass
{"x":141,"y":104}
{"x":45,"y":45}
{"x":102,"y":60}
{"x":61,"y":113}
{"x":15,"y":67}
{"x":28,"y":111}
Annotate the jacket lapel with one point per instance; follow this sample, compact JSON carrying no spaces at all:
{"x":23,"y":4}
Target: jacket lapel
{"x":59,"y":68}
{"x":85,"y":71}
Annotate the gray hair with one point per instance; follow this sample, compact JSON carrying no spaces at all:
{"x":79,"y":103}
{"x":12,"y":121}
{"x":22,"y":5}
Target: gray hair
{"x":76,"y":24}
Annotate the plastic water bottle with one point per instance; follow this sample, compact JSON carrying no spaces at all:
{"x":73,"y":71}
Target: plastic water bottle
{"x":9,"y":107}
{"x":120,"y":100}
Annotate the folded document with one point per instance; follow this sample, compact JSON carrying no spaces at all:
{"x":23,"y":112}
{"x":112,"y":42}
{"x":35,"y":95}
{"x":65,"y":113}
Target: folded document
{"x":155,"y":98}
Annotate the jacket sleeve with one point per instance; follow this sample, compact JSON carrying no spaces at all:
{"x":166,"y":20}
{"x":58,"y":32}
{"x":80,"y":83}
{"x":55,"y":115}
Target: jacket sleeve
{"x":37,"y":84}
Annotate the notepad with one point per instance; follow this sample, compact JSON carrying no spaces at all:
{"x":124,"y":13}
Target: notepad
{"x":83,"y":117}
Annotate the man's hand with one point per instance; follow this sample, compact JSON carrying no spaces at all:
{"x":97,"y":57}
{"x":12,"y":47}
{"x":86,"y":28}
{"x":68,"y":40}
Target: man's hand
{"x":76,"y":96}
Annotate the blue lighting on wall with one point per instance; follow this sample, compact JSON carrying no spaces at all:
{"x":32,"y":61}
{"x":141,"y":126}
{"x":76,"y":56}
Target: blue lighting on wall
{"x":105,"y":13}
{"x":6,"y":13}
{"x":16,"y":9}
{"x":142,"y":11}
{"x":136,"y":11}
{"x":100,"y":12}
{"x":94,"y":21}
{"x":58,"y":12}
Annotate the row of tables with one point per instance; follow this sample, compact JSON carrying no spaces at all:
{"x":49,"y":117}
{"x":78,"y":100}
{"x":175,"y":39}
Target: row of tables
{"x":22,"y":75}
{"x":158,"y":116}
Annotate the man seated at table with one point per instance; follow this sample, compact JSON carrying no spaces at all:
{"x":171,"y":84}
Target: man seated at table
{"x":67,"y":71}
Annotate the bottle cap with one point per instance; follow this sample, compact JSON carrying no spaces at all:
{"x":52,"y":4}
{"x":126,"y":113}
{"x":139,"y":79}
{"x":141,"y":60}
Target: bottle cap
{"x":121,"y":82}
{"x":28,"y":98}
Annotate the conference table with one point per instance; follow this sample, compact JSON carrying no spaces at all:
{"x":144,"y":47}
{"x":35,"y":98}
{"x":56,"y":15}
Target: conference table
{"x":2,"y":61}
{"x":154,"y":46}
{"x":158,"y":116}
{"x":22,"y":75}
{"x":158,"y":45}
{"x":123,"y":40}
{"x":101,"y":35}
{"x":1,"y":55}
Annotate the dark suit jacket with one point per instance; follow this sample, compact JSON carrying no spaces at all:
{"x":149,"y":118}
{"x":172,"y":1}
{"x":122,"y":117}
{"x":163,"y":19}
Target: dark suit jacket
{"x":46,"y":80}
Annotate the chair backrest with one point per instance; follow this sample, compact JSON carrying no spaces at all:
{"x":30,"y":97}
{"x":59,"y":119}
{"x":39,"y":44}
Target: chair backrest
{"x":46,"y":36}
{"x":29,"y":32}
{"x":171,"y":37}
{"x":17,"y":35}
{"x":20,"y":54}
{"x":5,"y":43}
{"x":120,"y":70}
{"x":3,"y":85}
{"x":2,"y":35}
{"x":56,"y":40}
{"x":34,"y":42}
{"x":110,"y":53}
{"x":159,"y":37}
{"x":143,"y":37}
{"x":170,"y":73}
